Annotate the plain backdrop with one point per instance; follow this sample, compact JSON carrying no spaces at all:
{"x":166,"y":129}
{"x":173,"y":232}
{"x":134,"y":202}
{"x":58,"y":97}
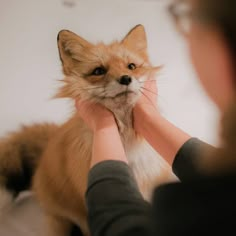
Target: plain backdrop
{"x":30,"y":69}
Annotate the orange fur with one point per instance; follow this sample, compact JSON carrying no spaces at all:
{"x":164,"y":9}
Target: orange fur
{"x":60,"y":180}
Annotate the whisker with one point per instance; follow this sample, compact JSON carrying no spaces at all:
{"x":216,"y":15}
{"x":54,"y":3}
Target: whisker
{"x":147,"y":98}
{"x":149,"y":90}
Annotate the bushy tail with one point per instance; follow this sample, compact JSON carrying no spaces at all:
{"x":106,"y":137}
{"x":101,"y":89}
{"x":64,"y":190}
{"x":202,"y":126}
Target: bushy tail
{"x":20,"y":153}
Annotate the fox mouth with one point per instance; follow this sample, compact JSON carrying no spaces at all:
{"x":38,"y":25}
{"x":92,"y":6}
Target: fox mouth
{"x":119,"y":95}
{"x":123,"y":94}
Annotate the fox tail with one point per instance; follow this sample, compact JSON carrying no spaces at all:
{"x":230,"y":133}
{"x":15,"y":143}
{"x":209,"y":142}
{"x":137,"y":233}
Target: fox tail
{"x":20,"y":154}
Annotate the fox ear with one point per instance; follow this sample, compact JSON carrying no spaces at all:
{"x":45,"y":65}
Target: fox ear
{"x":71,"y":47}
{"x":136,"y":40}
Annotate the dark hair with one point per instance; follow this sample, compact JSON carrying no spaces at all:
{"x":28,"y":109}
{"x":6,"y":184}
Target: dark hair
{"x":222,"y":15}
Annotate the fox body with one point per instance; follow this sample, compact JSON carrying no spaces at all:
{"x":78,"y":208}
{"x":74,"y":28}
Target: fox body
{"x":57,"y":158}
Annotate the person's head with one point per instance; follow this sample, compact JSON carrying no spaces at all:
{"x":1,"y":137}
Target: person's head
{"x":209,"y":27}
{"x":210,"y":30}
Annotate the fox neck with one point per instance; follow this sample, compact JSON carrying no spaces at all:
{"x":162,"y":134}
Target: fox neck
{"x":124,"y":119}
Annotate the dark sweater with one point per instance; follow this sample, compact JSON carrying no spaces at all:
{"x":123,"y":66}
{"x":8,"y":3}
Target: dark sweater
{"x":198,"y":205}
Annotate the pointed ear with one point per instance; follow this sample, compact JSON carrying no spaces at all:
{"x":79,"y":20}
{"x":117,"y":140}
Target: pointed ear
{"x":71,"y":47}
{"x":136,"y":40}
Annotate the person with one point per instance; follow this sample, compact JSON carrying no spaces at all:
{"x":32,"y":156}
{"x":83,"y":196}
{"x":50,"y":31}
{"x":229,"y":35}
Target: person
{"x":203,"y":202}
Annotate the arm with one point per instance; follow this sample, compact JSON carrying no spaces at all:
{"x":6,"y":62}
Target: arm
{"x":115,"y":205}
{"x":107,"y":144}
{"x":187,"y":162}
{"x":181,"y":151}
{"x":163,"y":136}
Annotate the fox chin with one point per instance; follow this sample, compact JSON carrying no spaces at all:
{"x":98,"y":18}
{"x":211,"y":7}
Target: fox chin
{"x":54,"y":160}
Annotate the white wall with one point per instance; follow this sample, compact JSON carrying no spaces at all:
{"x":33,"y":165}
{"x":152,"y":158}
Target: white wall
{"x":30,"y":67}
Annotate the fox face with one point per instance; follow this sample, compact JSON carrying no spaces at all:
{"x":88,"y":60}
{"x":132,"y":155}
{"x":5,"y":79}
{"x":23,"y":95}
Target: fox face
{"x":112,"y":75}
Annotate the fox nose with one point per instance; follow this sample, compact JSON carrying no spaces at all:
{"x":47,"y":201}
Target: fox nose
{"x":125,"y":80}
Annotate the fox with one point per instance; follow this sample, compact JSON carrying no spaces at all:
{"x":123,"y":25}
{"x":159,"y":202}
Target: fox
{"x":53,"y":160}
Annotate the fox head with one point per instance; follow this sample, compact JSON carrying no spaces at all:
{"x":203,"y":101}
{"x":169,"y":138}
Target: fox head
{"x":112,"y":75}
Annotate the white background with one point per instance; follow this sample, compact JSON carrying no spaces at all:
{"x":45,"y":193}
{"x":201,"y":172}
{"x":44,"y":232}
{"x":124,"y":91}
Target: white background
{"x":30,"y":66}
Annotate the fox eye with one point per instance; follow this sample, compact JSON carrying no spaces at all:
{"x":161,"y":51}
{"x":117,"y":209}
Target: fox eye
{"x":99,"y":71}
{"x":132,"y":66}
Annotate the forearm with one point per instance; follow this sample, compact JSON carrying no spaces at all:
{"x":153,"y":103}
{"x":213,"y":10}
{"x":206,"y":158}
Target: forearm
{"x":107,"y":145}
{"x":188,"y":160}
{"x":115,"y":205}
{"x":162,"y":135}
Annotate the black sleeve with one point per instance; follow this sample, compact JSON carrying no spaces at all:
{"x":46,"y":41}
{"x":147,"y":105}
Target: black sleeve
{"x":187,"y":159}
{"x":115,"y":205}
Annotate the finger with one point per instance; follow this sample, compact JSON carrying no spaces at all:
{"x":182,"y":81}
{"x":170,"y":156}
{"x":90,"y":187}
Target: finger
{"x":151,"y":85}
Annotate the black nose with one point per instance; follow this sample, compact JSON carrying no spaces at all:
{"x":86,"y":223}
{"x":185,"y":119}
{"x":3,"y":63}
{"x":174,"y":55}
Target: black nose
{"x":125,"y":80}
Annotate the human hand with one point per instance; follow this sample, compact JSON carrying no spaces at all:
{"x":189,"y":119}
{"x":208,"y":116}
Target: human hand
{"x":95,"y":115}
{"x":146,"y":105}
{"x":105,"y":132}
{"x":148,"y":98}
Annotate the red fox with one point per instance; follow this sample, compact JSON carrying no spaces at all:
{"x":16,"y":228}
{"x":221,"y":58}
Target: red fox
{"x":53,"y":161}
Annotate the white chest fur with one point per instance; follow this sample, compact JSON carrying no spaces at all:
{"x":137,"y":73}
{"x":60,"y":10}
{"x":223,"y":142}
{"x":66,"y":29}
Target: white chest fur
{"x":149,"y":168}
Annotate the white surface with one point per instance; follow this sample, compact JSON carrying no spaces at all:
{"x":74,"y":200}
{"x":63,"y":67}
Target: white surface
{"x":30,"y":68}
{"x":30,"y":65}
{"x":24,"y":218}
